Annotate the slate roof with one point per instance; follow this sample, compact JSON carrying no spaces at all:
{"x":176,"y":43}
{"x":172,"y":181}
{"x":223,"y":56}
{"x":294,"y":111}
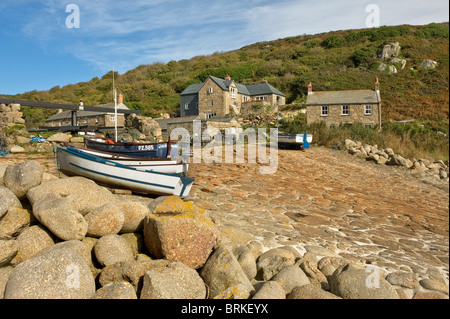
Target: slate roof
{"x":263,"y":88}
{"x":68,"y":114}
{"x":342,"y":97}
{"x":250,"y":90}
{"x":192,"y":89}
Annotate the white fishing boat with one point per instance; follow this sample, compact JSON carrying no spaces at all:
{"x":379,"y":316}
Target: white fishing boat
{"x":74,"y":162}
{"x":297,"y":140}
{"x":294,"y":138}
{"x":174,"y":165}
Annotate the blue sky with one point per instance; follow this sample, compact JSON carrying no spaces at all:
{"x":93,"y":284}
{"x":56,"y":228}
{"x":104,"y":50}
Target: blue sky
{"x":38,"y":51}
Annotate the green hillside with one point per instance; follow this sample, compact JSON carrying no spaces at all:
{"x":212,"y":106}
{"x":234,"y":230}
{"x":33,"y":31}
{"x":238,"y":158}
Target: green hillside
{"x":331,"y":61}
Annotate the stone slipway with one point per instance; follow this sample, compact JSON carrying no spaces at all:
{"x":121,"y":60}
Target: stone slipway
{"x":382,"y":215}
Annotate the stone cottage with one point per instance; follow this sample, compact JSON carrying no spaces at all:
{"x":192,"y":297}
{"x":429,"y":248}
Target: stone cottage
{"x":220,"y":97}
{"x":90,"y":118}
{"x":339,"y":107}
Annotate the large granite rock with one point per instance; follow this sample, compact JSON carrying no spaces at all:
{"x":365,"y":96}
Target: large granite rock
{"x":178,"y":231}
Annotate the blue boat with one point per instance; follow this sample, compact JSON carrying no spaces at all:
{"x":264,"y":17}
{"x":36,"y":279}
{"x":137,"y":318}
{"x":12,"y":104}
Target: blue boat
{"x":159,"y":150}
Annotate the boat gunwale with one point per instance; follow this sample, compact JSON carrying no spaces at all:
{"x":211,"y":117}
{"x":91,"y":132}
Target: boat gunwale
{"x":131,"y":157}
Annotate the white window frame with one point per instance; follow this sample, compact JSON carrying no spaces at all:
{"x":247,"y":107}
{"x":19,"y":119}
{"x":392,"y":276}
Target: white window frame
{"x":325,"y":110}
{"x":210,"y":115}
{"x":345,"y":110}
{"x":368,"y":109}
{"x":186,"y":106}
{"x":211,"y":90}
{"x":211,"y":103}
{"x":262,"y":98}
{"x":233,"y":93}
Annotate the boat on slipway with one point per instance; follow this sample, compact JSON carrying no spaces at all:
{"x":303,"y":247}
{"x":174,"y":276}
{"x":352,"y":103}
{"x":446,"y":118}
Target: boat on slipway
{"x":74,"y":162}
{"x":160,"y":150}
{"x":301,"y":141}
{"x":173,"y":165}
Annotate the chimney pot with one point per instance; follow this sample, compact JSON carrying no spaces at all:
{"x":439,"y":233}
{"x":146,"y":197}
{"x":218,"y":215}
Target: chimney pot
{"x":120,"y":98}
{"x":228,"y":78}
{"x":310,"y":88}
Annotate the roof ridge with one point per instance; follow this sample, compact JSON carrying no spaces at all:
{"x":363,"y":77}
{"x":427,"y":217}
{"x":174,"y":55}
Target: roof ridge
{"x":365,"y":90}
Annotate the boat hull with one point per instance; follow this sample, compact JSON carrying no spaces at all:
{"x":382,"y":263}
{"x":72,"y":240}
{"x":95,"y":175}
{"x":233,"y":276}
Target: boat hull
{"x":164,"y":165}
{"x":160,"y":150}
{"x":72,"y":162}
{"x":293,"y":138}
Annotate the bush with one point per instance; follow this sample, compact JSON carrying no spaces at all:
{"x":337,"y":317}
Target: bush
{"x":363,"y":55}
{"x":433,"y":31}
{"x":333,"y":42}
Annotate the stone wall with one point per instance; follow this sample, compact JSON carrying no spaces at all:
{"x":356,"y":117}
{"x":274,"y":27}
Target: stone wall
{"x":10,"y":115}
{"x":335,"y":117}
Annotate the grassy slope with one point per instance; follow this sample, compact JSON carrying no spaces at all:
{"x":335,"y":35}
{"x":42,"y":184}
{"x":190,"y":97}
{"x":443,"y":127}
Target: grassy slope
{"x":289,"y":64}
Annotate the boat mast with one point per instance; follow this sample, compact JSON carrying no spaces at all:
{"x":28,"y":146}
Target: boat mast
{"x":115,"y":108}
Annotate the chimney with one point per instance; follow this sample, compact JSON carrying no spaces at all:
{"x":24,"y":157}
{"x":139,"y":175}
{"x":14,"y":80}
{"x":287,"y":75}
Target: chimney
{"x":228,"y":78}
{"x":265,"y":80}
{"x":377,"y":85}
{"x":310,"y":91}
{"x":120,"y":98}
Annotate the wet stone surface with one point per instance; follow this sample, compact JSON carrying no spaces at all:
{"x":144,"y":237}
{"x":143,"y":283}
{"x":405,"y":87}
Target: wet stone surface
{"x":381,"y":215}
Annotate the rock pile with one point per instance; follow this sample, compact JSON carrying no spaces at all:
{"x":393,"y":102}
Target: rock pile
{"x":257,"y":120}
{"x":71,"y":238}
{"x":435,"y":169}
{"x":149,"y":128}
{"x":10,"y":115}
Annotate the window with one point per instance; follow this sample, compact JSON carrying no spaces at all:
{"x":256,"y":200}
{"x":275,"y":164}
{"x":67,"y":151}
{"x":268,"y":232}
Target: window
{"x":261,"y":98}
{"x":210,"y":115}
{"x":345,"y":110}
{"x":324,"y":110}
{"x":245,"y":98}
{"x":186,"y":106}
{"x":233,"y":93}
{"x":211,"y":90}
{"x":211,"y":103}
{"x":368,"y":109}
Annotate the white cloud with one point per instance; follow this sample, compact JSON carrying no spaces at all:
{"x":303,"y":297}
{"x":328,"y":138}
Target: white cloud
{"x":127,"y":34}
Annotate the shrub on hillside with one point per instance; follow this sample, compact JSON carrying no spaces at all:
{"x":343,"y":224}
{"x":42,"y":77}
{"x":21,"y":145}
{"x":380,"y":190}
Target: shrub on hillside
{"x":363,"y":55}
{"x":333,"y":42}
{"x":433,"y":31}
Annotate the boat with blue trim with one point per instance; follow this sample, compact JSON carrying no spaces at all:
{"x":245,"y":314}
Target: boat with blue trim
{"x":161,"y":150}
{"x":173,"y":165}
{"x":301,"y":141}
{"x":74,"y":162}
